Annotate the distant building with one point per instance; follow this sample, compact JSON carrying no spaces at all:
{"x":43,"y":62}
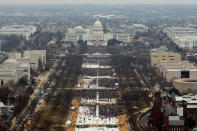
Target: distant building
{"x":164,"y":48}
{"x":185,"y":85}
{"x":14,"y":55}
{"x":133,"y":29}
{"x":8,"y":74}
{"x":184,"y":37}
{"x":3,"y":57}
{"x":122,"y":37}
{"x":5,"y":109}
{"x":12,"y":70}
{"x":18,"y":65}
{"x":166,"y":116}
{"x":160,"y":55}
{"x":35,"y":56}
{"x":170,"y":112}
{"x":175,"y":70}
{"x":30,"y":56}
{"x":94,"y":34}
{"x":19,"y":30}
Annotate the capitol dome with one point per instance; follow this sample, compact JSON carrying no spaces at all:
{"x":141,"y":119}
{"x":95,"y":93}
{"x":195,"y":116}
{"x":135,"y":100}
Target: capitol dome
{"x":98,"y":27}
{"x":98,"y":24}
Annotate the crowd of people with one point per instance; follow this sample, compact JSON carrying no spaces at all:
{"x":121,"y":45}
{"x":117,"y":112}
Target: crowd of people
{"x":110,"y":110}
{"x":103,"y":94}
{"x":103,"y":62}
{"x":88,"y":110}
{"x":97,"y":96}
{"x":93,"y":71}
{"x":105,"y":82}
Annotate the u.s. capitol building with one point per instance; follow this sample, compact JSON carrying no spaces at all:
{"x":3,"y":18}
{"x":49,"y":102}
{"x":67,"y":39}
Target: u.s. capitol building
{"x":94,"y":34}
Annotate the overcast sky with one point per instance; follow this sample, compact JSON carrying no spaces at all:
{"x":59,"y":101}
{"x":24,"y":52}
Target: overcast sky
{"x":98,"y":1}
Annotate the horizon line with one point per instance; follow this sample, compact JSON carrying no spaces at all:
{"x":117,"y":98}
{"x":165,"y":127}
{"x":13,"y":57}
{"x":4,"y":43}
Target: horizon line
{"x":96,"y":4}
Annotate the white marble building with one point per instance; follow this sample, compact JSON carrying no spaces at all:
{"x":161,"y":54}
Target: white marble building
{"x":184,"y":37}
{"x":94,"y":34}
{"x":19,"y":30}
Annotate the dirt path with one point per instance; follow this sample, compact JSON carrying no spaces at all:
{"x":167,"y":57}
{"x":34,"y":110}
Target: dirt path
{"x":123,"y":123}
{"x":73,"y":115}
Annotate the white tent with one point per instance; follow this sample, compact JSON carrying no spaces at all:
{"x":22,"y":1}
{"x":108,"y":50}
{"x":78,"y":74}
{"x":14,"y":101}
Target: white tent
{"x":68,"y":122}
{"x":72,"y":108}
{"x":116,"y":84}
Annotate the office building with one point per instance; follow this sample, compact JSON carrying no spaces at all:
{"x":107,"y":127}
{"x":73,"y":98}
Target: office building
{"x":34,"y":56}
{"x":171,"y":112}
{"x":185,"y":85}
{"x":160,"y":55}
{"x":175,"y":70}
{"x":19,"y":30}
{"x":133,"y":29}
{"x":184,"y":37}
{"x":19,"y":65}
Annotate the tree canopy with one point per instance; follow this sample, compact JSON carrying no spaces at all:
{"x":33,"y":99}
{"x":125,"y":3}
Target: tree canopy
{"x":113,"y":42}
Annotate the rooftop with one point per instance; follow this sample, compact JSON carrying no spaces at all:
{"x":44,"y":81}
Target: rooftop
{"x":190,"y":99}
{"x":17,"y":28}
{"x":176,"y":122}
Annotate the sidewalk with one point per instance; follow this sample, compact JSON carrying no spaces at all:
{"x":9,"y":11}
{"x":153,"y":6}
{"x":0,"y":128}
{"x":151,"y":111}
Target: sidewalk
{"x":31,"y":98}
